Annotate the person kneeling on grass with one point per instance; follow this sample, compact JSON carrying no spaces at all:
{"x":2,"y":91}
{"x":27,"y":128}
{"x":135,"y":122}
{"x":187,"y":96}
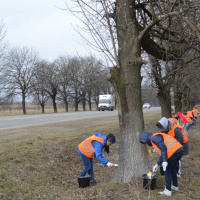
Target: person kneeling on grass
{"x":93,"y":147}
{"x":171,"y":152}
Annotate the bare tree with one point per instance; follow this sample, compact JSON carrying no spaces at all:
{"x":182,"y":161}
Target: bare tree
{"x":185,"y":83}
{"x":64,"y":88}
{"x":38,"y":90}
{"x":75,"y":81}
{"x":18,"y":70}
{"x":91,"y":74}
{"x":130,"y":26}
{"x":51,"y":78}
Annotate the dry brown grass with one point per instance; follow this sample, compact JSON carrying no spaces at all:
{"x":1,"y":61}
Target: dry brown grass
{"x":47,"y":168}
{"x":34,"y":109}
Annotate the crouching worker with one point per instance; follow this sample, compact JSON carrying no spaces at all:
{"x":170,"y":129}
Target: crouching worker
{"x":171,"y":152}
{"x":93,"y":147}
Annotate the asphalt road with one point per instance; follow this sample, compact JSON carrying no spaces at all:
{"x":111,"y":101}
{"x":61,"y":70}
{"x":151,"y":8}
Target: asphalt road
{"x":7,"y":122}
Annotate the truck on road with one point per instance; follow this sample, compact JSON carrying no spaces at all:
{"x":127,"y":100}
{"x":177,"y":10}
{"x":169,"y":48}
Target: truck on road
{"x":106,"y":102}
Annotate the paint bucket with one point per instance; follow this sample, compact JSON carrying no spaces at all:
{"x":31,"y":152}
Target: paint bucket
{"x":84,"y":181}
{"x":149,"y":182}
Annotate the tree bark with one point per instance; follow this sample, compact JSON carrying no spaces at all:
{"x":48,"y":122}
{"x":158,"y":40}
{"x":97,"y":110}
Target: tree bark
{"x":42,"y":105}
{"x":165,"y":102}
{"x":89,"y":100}
{"x":178,"y":102}
{"x":133,"y":158}
{"x":126,"y":79}
{"x":66,"y":106}
{"x":83,"y":102}
{"x":24,"y":103}
{"x":54,"y":104}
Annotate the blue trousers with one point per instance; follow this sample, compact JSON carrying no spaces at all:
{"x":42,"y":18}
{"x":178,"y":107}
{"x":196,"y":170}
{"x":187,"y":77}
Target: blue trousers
{"x":195,"y":121}
{"x":170,"y":173}
{"x":187,"y":127}
{"x":88,"y":166}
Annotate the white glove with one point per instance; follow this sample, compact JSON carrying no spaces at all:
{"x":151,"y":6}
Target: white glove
{"x":155,"y":167}
{"x":109,"y":164}
{"x":154,"y":150}
{"x":164,"y":165}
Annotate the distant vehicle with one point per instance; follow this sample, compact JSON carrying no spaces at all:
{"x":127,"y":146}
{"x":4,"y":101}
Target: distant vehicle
{"x":146,"y":105}
{"x":106,"y":102}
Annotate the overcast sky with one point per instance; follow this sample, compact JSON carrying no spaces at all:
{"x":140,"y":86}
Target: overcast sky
{"x":39,"y":25}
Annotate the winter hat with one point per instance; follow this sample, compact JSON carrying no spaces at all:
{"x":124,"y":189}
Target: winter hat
{"x":146,"y":138}
{"x":111,"y":139}
{"x":164,"y":122}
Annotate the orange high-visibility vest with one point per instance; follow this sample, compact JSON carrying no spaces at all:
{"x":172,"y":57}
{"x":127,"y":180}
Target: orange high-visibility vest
{"x":86,"y":146}
{"x":184,"y":133}
{"x":171,"y":144}
{"x":188,"y":119}
{"x":174,"y":120}
{"x":195,"y":111}
{"x":190,"y":114}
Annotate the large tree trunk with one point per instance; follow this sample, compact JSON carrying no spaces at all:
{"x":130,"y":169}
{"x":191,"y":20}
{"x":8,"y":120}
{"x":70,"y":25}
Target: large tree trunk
{"x":178,"y":102}
{"x":133,"y":157}
{"x":177,"y":87}
{"x":165,"y":102}
{"x":184,"y":100}
{"x":126,"y":78}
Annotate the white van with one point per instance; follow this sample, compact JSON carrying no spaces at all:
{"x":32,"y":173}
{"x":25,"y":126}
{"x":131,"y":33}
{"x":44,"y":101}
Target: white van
{"x":106,"y":102}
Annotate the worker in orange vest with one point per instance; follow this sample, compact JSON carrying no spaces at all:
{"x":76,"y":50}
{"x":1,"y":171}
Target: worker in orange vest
{"x":93,"y":147}
{"x":196,"y":113}
{"x":178,"y":132}
{"x":171,"y":152}
{"x":189,"y":117}
{"x":174,"y":120}
{"x":187,"y":121}
{"x":190,"y":114}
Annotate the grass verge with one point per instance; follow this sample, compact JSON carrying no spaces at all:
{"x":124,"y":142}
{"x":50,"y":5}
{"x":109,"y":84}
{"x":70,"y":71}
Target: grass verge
{"x":47,"y":168}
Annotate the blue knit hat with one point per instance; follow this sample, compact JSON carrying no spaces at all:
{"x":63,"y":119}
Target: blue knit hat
{"x":111,"y":139}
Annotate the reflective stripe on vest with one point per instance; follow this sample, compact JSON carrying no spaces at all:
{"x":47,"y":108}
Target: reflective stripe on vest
{"x":190,"y":114}
{"x":189,"y":119}
{"x":184,"y":133}
{"x":86,"y":146}
{"x":185,"y":136}
{"x":171,"y":144}
{"x":90,"y":147}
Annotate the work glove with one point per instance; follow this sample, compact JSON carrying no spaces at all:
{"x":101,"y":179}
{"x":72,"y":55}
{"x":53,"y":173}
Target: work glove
{"x":109,"y":164}
{"x":155,"y":167}
{"x":154,"y":150}
{"x":164,"y":165}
